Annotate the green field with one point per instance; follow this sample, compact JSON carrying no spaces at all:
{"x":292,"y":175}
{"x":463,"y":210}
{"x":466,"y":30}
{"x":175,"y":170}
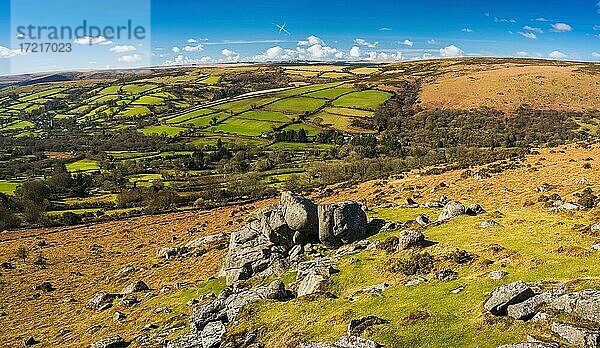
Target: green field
{"x":8,"y":187}
{"x":310,"y":130}
{"x":83,"y":165}
{"x":332,"y":93}
{"x":297,"y":105}
{"x":244,"y":104}
{"x":189,"y":116}
{"x":149,"y":100}
{"x":242,"y":126}
{"x":368,"y":100}
{"x":136,"y":111}
{"x":261,"y":115}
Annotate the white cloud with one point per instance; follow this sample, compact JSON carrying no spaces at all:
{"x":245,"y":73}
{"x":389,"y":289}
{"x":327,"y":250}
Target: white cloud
{"x":20,"y":36}
{"x":407,"y":42}
{"x":598,"y":5}
{"x":521,"y":54}
{"x":504,"y":20}
{"x":130,"y":58}
{"x":276,"y":53}
{"x":176,"y":49}
{"x":427,"y":56}
{"x":320,"y":52}
{"x":561,"y":27}
{"x":6,"y":52}
{"x":191,"y":40}
{"x":122,"y":48}
{"x":183,"y":60}
{"x":451,"y":52}
{"x":596,"y":55}
{"x":385,"y":29}
{"x":311,"y":40}
{"x":355,"y":52}
{"x":531,"y":36}
{"x":196,"y":48}
{"x":363,"y":42}
{"x":384,"y":57}
{"x":431,"y":42}
{"x":92,"y":40}
{"x":557,"y":55}
{"x":596,"y":27}
{"x":541,"y":19}
{"x":230,"y":55}
{"x":467,"y":30}
{"x":534,"y":29}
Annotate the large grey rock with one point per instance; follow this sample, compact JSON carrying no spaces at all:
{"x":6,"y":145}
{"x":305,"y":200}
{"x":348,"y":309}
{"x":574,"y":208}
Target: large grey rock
{"x":341,"y":223}
{"x":356,"y":342}
{"x":101,"y":301}
{"x":410,"y":239}
{"x":311,"y":284}
{"x":109,"y":342}
{"x":488,"y":223}
{"x":452,"y":209}
{"x":211,"y":334}
{"x":422,"y":220}
{"x":137,"y":286}
{"x":317,"y":345}
{"x":474,"y":209}
{"x":528,"y":308}
{"x":577,"y":336}
{"x":588,"y":306}
{"x":358,"y":325}
{"x":300,"y":214}
{"x":530,"y":345}
{"x":506,"y":295}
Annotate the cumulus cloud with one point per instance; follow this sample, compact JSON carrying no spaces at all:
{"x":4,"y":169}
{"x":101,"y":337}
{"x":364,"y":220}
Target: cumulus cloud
{"x":596,"y":27}
{"x":407,"y":42}
{"x":230,"y":55}
{"x":196,"y":48}
{"x":521,"y":54}
{"x":176,"y":49}
{"x":384,"y":56}
{"x":122,"y":48}
{"x":541,"y":19}
{"x":6,"y":52}
{"x":184,"y":60}
{"x":311,"y":40}
{"x":192,"y":40}
{"x":431,"y":42}
{"x":427,"y":55}
{"x":596,"y":55}
{"x":92,"y":40}
{"x":598,"y":5}
{"x":320,"y":52}
{"x":363,"y":42}
{"x":451,"y":52}
{"x":531,"y":36}
{"x":561,"y":27}
{"x":504,"y":20}
{"x":467,"y":30}
{"x":130,"y":58}
{"x":534,"y":29}
{"x":557,"y":55}
{"x":355,"y":52}
{"x":277,"y":53}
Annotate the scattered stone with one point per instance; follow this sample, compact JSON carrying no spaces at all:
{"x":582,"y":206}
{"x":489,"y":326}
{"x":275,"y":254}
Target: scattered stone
{"x":45,"y":286}
{"x":357,"y":326}
{"x":93,"y":329}
{"x":588,"y":306}
{"x":356,"y":342}
{"x":63,"y":332}
{"x":162,"y":309}
{"x":129,"y":300}
{"x":488,"y":223}
{"x":206,"y":241}
{"x":167,"y":253}
{"x":7,"y":265}
{"x":541,"y":316}
{"x":423,"y":220}
{"x":415,"y":281}
{"x":457,"y":290}
{"x":433,"y":205}
{"x":575,"y":335}
{"x":568,"y":206}
{"x":119,"y":316}
{"x":595,"y":227}
{"x":446,"y":274}
{"x":583,"y":181}
{"x":530,"y":345}
{"x":410,"y":239}
{"x":543,"y":188}
{"x":506,"y":295}
{"x":497,"y":274}
{"x":191,"y":302}
{"x":3,"y":314}
{"x":410,"y":203}
{"x":528,"y":308}
{"x":596,"y":247}
{"x":211,"y":334}
{"x":126,"y":271}
{"x":101,"y":300}
{"x":30,"y":341}
{"x":149,"y":327}
{"x":452,"y":209}
{"x":474,"y":209}
{"x":137,"y":286}
{"x":374,"y":289}
{"x":311,"y":284}
{"x":109,"y":342}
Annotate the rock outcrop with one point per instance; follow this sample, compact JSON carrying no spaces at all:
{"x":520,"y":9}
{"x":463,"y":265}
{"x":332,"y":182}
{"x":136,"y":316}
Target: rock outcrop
{"x":452,"y":209}
{"x":506,"y":295}
{"x":577,"y":336}
{"x":272,"y":241}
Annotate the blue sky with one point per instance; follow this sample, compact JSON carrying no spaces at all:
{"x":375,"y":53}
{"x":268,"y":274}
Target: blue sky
{"x":182,"y":32}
